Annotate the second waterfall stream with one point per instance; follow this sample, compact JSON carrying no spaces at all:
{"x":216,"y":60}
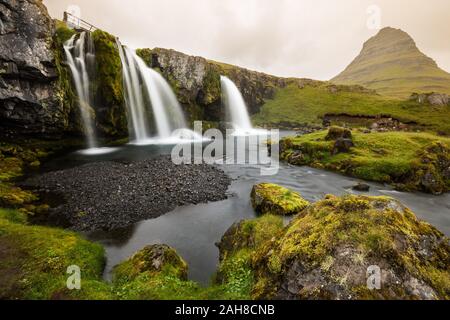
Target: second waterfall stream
{"x":151,"y":103}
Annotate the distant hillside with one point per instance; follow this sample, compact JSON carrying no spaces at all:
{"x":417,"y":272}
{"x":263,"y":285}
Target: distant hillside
{"x":391,"y":64}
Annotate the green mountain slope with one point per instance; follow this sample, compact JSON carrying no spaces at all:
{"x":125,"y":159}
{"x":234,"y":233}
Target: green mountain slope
{"x":309,"y":104}
{"x":391,"y":63}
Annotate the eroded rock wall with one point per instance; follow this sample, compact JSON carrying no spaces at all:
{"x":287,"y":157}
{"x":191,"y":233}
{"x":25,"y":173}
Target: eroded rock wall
{"x":196,"y":82}
{"x":31,"y":101}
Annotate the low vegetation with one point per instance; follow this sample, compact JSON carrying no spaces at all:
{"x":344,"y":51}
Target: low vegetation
{"x":308,"y":105}
{"x":410,"y":161}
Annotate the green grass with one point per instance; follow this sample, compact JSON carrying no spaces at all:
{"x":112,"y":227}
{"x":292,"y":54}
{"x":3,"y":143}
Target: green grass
{"x":35,"y":261}
{"x":309,"y":105}
{"x":392,"y":157}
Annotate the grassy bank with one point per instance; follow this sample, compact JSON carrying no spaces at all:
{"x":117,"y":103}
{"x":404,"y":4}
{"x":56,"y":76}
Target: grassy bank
{"x":407,"y":160}
{"x":310,"y":104}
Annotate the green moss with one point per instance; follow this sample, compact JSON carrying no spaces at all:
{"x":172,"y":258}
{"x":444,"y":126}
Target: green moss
{"x":273,"y":199}
{"x":63,"y":33}
{"x":65,"y":93}
{"x":151,"y":260}
{"x":309,"y":104}
{"x":41,"y":256}
{"x":335,"y":133}
{"x":375,"y":227}
{"x":14,"y":160}
{"x":108,"y":85}
{"x":146,"y":55}
{"x":211,"y":85}
{"x":400,"y":158}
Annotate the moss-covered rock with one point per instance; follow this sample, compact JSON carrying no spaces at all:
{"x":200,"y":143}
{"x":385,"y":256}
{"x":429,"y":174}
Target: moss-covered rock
{"x":409,"y":161}
{"x":335,"y":133}
{"x":326,"y":252}
{"x":152,"y":260}
{"x":108,"y":86}
{"x":236,"y":248}
{"x":270,"y":198}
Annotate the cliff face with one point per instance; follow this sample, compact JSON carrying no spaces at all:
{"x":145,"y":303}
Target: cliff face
{"x":31,"y":101}
{"x":196,"y":82}
{"x":391,"y":63}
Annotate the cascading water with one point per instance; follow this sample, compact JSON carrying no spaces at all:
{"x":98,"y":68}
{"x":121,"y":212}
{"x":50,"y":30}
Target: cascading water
{"x":133,"y":95}
{"x":144,"y":87}
{"x":235,"y":105}
{"x":80,"y":55}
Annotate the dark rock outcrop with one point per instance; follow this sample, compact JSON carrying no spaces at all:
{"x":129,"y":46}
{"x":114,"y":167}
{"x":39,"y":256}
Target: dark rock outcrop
{"x":361,"y":187}
{"x":31,"y":101}
{"x":342,"y":146}
{"x":434,"y":99}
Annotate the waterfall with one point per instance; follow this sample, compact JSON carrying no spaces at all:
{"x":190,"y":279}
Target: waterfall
{"x":235,"y":105}
{"x":80,"y":54}
{"x":146,"y":90}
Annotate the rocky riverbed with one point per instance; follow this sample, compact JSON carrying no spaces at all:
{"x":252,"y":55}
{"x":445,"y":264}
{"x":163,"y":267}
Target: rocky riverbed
{"x":111,"y":195}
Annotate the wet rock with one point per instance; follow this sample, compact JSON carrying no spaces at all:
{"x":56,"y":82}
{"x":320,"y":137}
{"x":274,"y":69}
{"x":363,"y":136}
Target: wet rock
{"x":342,"y":146}
{"x":113,"y":195}
{"x":332,"y":248}
{"x":273,"y":199}
{"x":362,"y":187}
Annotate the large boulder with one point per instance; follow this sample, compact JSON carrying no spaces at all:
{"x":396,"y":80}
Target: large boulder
{"x":335,"y":133}
{"x":152,"y":260}
{"x":270,"y":198}
{"x":434,"y":99}
{"x":342,"y":146}
{"x":30,"y":99}
{"x":354,"y":247}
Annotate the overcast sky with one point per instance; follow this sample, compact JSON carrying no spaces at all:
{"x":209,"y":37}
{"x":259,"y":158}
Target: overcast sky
{"x":302,"y":38}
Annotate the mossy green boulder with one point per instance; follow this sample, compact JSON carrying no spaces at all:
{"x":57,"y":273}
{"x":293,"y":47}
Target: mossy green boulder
{"x":335,"y":133}
{"x":270,"y":198}
{"x":237,"y":247}
{"x":327,"y":251}
{"x":152,"y":260}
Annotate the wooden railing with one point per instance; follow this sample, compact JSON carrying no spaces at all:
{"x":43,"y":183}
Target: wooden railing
{"x":77,"y":23}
